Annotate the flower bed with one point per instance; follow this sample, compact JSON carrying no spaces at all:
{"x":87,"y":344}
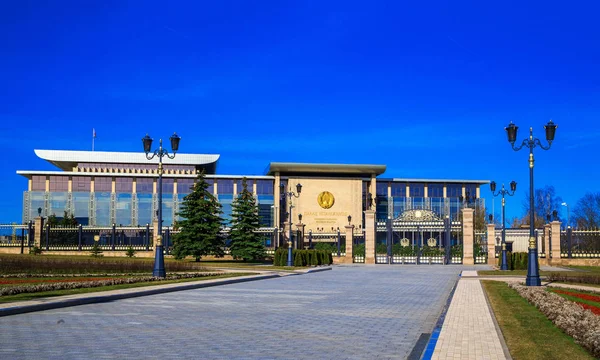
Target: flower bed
{"x":568,"y":316}
{"x":590,"y":302}
{"x":75,"y":284}
{"x":31,"y":281}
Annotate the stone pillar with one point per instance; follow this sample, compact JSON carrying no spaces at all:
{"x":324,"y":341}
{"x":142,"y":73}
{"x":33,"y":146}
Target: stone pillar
{"x":154,"y":231}
{"x":300,"y":242}
{"x":547,"y":243}
{"x":38,"y":231}
{"x":370,"y":234}
{"x":468,"y":236}
{"x":555,"y":250}
{"x":349,"y":243}
{"x":491,"y":244}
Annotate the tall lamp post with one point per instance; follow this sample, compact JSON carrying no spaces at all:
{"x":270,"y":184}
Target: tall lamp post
{"x":503,"y":191}
{"x":568,"y":214}
{"x":288,"y":195}
{"x":159,"y":260}
{"x":533,"y":275}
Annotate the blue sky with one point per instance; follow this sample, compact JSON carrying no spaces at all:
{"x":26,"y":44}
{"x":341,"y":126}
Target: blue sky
{"x":425,"y":89}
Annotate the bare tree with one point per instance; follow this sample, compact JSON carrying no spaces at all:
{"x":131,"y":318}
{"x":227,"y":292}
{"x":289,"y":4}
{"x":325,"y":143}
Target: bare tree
{"x":586,"y":212}
{"x":545,"y":202}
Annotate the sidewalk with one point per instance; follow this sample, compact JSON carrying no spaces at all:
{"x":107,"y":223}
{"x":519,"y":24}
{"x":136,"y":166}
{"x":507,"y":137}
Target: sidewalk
{"x":21,"y":307}
{"x":469,"y":330}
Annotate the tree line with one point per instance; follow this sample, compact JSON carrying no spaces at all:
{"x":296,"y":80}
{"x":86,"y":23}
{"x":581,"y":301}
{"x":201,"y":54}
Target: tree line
{"x":584,"y":214}
{"x":201,"y":225}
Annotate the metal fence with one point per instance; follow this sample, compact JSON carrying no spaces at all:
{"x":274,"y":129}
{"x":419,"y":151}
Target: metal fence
{"x":580,"y":243}
{"x":16,"y":235}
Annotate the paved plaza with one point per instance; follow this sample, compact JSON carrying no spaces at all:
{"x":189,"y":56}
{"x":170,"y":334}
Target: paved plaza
{"x":351,"y":312}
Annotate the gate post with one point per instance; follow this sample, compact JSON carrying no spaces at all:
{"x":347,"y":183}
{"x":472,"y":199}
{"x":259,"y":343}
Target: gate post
{"x":547,"y":242}
{"x":468,"y":236}
{"x":349,"y":242}
{"x":370,"y":231}
{"x":555,"y":242}
{"x":491,"y":244}
{"x":38,"y":231}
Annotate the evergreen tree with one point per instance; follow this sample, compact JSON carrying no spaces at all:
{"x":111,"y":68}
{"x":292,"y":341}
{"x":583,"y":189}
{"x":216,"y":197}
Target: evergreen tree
{"x":245,"y":242}
{"x":200,"y":227}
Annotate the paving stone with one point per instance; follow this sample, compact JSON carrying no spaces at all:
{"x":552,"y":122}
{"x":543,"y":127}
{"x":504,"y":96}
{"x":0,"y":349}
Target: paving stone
{"x":351,"y":312}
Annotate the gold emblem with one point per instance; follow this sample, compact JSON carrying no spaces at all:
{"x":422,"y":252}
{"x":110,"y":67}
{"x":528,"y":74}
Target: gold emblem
{"x":325,"y":200}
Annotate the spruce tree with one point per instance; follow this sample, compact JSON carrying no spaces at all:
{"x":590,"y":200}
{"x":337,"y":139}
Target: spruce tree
{"x":245,"y":242}
{"x":200,"y":228}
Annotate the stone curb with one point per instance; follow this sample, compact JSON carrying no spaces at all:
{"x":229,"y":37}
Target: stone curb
{"x":57,"y":303}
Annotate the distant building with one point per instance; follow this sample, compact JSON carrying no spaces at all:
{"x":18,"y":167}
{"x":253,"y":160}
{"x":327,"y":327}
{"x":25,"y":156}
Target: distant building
{"x":104,"y":188}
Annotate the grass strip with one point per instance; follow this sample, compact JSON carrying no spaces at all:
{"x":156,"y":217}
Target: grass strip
{"x":507,"y":273}
{"x":528,"y":333}
{"x":44,"y":294}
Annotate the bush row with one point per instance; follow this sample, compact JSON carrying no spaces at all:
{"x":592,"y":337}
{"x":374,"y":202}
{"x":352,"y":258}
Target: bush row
{"x":568,"y":316}
{"x":302,"y":257}
{"x":583,"y":279}
{"x":14,"y":290}
{"x":11,"y":264}
{"x":515,"y":261}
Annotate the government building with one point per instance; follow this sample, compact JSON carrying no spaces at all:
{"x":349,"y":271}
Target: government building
{"x":105,"y":188}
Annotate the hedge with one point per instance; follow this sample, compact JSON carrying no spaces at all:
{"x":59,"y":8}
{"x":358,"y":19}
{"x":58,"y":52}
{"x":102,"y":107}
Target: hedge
{"x":302,"y":257}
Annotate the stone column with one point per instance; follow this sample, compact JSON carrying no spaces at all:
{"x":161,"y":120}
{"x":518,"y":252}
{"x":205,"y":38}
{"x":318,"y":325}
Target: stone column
{"x":38,"y":231}
{"x":370,"y":233}
{"x":155,"y":231}
{"x":491,"y":244}
{"x":468,"y":236}
{"x":349,"y":242}
{"x":547,"y":243}
{"x":300,"y":242}
{"x":555,"y":250}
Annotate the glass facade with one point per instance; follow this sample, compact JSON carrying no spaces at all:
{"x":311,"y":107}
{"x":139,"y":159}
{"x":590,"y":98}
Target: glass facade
{"x":131,"y":200}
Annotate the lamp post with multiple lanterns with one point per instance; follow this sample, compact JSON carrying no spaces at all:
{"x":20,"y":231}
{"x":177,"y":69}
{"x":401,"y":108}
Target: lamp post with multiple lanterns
{"x":159,"y":260}
{"x":503,"y":191}
{"x":533,"y":276}
{"x":288,"y":195}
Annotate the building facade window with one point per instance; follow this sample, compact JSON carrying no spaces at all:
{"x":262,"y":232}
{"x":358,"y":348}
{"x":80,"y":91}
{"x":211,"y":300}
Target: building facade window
{"x":38,"y":183}
{"x":435,"y":190}
{"x":398,"y":189}
{"x":224,"y":186}
{"x":81,"y":183}
{"x":144,"y":185}
{"x":102,"y":184}
{"x":264,"y":187}
{"x":124,"y":185}
{"x":59,"y":183}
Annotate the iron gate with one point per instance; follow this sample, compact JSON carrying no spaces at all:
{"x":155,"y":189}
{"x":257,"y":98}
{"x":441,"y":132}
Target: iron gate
{"x":419,"y":237}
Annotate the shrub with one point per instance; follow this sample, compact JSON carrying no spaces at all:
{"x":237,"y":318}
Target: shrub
{"x":381,"y":248}
{"x":36,"y":250}
{"x":314,"y":261}
{"x":298,"y":259}
{"x":130,"y":252}
{"x":358,"y":250}
{"x":96,"y":251}
{"x":431,"y":251}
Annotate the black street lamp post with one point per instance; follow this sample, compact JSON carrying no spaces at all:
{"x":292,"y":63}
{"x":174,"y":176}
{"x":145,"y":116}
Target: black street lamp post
{"x":503,"y":192}
{"x":288,"y":195}
{"x":533,"y":275}
{"x":159,"y":260}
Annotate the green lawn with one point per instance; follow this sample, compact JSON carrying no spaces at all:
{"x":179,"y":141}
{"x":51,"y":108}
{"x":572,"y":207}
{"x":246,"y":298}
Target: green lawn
{"x":527,"y":332}
{"x":37,"y":295}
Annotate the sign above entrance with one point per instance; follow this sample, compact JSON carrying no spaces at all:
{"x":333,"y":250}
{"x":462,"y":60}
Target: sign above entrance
{"x":325,"y":200}
{"x":419,"y":215}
